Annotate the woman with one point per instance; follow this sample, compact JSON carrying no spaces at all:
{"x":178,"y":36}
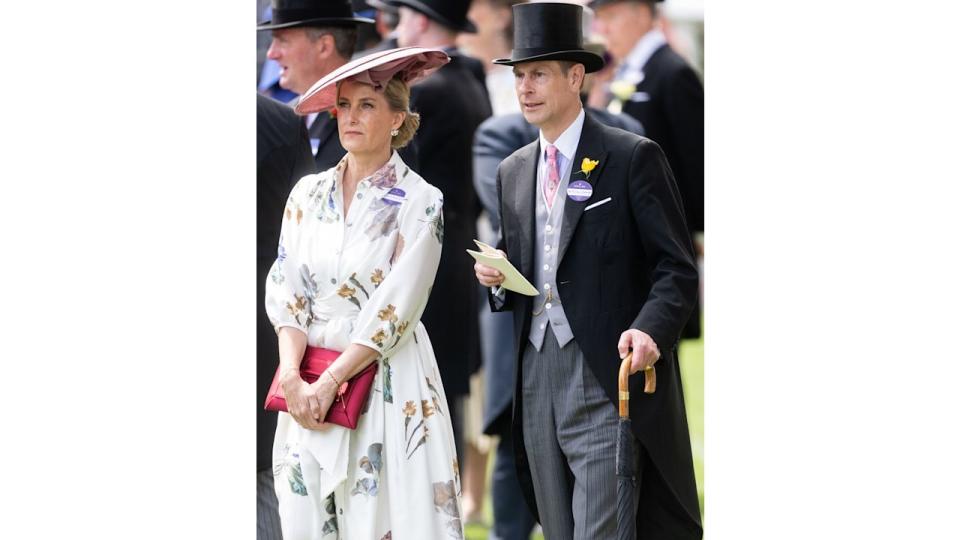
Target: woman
{"x":358,"y":253}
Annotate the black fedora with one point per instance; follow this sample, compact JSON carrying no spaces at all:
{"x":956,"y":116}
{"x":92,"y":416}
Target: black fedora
{"x":549,"y":31}
{"x":291,"y":13}
{"x":594,"y":4}
{"x":450,"y":13}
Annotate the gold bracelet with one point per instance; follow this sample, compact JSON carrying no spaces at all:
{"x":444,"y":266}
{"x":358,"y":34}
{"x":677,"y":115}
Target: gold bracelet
{"x":332,"y":376}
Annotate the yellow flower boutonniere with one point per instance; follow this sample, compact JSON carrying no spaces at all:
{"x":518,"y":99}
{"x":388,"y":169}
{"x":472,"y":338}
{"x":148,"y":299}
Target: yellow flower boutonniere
{"x":622,"y":89}
{"x":588,"y":165}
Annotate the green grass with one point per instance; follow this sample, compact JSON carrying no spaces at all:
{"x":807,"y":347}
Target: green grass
{"x":691,"y":370}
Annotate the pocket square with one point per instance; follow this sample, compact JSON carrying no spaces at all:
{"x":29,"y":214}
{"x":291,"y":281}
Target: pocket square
{"x":640,"y":96}
{"x":598,"y":203}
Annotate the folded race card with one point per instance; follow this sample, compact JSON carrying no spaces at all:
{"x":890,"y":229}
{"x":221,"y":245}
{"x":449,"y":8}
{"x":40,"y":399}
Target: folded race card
{"x":513,"y":279}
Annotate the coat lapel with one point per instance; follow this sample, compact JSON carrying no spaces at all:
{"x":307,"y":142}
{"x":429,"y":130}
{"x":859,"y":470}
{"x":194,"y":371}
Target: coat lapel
{"x":590,"y":146}
{"x":524,"y":205}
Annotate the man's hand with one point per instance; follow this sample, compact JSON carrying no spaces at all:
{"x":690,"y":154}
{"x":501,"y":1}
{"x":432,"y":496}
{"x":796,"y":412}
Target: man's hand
{"x":645,"y":350}
{"x":487,"y":275}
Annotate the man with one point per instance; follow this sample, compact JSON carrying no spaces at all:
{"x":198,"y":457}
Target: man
{"x":386,"y":17}
{"x":283,"y":157}
{"x":607,"y":247}
{"x":451,"y":104}
{"x":664,"y":93}
{"x":497,"y":138}
{"x":311,"y":38}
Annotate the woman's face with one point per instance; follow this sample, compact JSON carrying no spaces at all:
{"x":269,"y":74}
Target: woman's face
{"x":364,"y":119}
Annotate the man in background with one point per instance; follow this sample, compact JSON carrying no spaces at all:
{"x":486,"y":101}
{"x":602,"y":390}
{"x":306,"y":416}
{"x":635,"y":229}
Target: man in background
{"x":658,"y":87}
{"x":283,"y":157}
{"x":451,"y":104}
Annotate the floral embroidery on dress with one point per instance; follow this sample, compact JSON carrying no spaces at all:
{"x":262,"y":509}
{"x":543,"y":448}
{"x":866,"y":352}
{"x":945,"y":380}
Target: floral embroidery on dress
{"x":435,"y":395}
{"x":376,"y":277}
{"x":388,"y":536}
{"x":385,"y":177}
{"x":387,"y":381}
{"x":370,"y":464}
{"x":300,"y":308}
{"x":445,"y":502}
{"x":277,"y":274}
{"x":346,"y":292}
{"x":330,"y":526}
{"x":384,"y":219}
{"x":353,"y":279}
{"x":426,"y":411}
{"x":291,"y":463}
{"x":435,"y":220}
{"x":321,"y":196}
{"x":309,"y":281}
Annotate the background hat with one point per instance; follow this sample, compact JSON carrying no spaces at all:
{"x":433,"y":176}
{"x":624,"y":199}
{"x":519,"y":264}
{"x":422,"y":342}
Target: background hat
{"x":291,"y":13}
{"x":382,"y":6}
{"x":412,"y":63}
{"x":549,"y":31}
{"x":594,"y":4}
{"x":450,"y":13}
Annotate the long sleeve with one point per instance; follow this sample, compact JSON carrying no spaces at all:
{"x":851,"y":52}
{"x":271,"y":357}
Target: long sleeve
{"x":287,"y":302}
{"x":389,"y":317}
{"x":656,"y":211}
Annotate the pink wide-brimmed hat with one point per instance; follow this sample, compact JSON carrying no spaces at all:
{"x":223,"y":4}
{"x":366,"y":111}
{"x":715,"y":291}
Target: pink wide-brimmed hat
{"x":412,"y":63}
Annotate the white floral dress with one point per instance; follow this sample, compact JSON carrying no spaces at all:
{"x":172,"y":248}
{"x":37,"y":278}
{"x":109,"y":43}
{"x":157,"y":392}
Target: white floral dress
{"x":365,"y":278}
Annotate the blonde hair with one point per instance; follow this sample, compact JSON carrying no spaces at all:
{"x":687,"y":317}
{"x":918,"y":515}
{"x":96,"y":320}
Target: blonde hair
{"x":397,"y":94}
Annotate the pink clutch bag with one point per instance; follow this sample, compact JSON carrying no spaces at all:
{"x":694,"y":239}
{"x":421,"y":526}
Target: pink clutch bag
{"x":346,"y":410}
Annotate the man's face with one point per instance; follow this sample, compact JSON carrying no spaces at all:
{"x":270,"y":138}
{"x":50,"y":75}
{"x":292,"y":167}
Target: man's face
{"x":545,"y":93}
{"x":409,"y":27}
{"x":622,"y":24}
{"x":299,"y":59}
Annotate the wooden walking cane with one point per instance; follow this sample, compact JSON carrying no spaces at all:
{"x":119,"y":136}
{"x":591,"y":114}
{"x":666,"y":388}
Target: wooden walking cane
{"x":649,"y":384}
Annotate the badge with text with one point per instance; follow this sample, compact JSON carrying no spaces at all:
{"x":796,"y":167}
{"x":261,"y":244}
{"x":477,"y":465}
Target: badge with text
{"x":580,"y":190}
{"x":395,"y":196}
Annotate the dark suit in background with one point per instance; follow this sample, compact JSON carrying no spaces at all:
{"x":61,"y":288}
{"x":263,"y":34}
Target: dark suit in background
{"x":669,"y":104}
{"x":283,"y":157}
{"x":496,"y":138}
{"x":451,"y":104}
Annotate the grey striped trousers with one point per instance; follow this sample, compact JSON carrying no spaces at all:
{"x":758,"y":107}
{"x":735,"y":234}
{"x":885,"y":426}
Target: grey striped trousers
{"x":569,"y":432}
{"x":268,"y":518}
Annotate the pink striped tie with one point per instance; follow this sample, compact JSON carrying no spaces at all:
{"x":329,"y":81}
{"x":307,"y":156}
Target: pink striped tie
{"x":553,"y":175}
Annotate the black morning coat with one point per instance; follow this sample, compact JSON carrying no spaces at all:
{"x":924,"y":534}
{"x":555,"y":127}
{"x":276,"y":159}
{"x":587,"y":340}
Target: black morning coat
{"x":672,"y":115}
{"x":626,"y":264}
{"x":452,"y":103}
{"x":283,"y":158}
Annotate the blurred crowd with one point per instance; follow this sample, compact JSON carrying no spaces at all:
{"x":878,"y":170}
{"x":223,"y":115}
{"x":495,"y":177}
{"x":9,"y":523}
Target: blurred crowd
{"x":651,"y":85}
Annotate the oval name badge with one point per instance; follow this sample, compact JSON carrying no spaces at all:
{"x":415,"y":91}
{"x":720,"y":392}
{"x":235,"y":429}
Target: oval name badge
{"x":580,"y":190}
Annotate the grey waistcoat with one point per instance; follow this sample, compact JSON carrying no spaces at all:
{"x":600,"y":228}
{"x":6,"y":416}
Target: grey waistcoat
{"x":545,"y":245}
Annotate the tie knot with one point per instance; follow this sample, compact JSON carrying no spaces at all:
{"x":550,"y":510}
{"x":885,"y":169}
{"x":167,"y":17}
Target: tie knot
{"x":551,"y":151}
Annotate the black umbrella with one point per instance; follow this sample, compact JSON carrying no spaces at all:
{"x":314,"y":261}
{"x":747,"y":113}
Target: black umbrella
{"x":626,"y":453}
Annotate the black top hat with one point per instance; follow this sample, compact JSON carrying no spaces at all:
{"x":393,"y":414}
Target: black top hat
{"x":549,"y":31}
{"x":450,"y":13}
{"x":594,"y":4}
{"x":291,"y":13}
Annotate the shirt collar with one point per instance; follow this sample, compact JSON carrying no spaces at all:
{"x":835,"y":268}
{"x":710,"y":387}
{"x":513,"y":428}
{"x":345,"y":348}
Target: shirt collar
{"x":643,"y":50}
{"x":567,"y":142}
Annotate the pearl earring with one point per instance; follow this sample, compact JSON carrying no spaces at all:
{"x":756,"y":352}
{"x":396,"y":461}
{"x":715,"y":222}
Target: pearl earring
{"x":395,"y":132}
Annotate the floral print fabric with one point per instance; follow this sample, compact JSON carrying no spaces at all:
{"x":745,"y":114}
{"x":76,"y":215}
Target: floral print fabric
{"x":365,"y":278}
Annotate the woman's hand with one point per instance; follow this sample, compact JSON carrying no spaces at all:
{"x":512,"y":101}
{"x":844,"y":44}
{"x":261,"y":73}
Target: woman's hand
{"x":308,"y":403}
